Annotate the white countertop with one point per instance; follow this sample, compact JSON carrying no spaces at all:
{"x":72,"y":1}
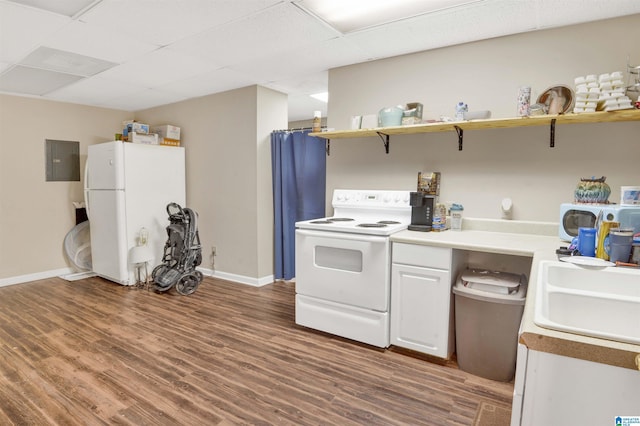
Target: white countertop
{"x":539,"y":241}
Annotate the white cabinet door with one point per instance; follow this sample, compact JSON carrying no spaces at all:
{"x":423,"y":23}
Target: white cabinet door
{"x":567,"y":391}
{"x":421,"y":309}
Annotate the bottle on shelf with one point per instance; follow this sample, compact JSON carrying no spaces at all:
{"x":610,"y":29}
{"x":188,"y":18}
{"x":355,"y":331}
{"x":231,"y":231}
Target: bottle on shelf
{"x":317,"y":121}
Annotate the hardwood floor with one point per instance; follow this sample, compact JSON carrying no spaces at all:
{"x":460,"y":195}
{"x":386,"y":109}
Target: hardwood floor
{"x":91,"y":352}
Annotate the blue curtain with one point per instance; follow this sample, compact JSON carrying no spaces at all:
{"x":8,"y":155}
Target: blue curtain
{"x":299,"y":180}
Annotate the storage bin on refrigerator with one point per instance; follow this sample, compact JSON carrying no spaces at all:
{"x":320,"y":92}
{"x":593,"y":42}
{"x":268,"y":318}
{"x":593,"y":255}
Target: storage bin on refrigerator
{"x":488,"y":311}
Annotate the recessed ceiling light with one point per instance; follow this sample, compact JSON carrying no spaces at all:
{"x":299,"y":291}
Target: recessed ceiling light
{"x":324,"y":96}
{"x":66,"y":7}
{"x":353,"y":15}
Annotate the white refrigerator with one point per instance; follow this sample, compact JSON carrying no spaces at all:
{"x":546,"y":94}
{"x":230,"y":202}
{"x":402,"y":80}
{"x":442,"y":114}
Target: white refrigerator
{"x":127,"y":188}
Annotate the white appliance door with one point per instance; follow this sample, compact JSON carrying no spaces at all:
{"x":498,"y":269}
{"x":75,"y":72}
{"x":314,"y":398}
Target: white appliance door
{"x":346,"y":268}
{"x":155,"y":177}
{"x":108,"y":235}
{"x":105,"y":167}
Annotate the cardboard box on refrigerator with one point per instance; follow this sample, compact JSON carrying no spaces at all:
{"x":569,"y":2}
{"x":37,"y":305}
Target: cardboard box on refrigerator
{"x":167,"y":131}
{"x":148,"y":139}
{"x":134,"y":126}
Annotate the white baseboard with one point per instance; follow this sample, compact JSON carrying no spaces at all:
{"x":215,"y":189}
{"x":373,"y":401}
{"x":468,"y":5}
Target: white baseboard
{"x":255,"y":282}
{"x":68,"y":272}
{"x":34,"y":277}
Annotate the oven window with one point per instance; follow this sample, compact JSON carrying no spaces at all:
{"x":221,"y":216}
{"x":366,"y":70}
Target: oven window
{"x":574,"y":219}
{"x":338,"y":258}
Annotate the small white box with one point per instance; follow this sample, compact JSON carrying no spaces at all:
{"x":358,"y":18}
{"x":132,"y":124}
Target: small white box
{"x":167,"y":131}
{"x":147,"y":139}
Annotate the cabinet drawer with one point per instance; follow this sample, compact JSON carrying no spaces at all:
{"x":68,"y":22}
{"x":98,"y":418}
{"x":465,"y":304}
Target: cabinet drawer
{"x":418,"y":255}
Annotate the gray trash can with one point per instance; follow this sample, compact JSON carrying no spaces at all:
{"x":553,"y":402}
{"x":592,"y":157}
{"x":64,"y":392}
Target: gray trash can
{"x":488,"y":310}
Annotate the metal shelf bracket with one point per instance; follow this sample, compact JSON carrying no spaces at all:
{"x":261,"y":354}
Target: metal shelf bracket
{"x":460,"y":133}
{"x":385,"y":141}
{"x":552,"y":136}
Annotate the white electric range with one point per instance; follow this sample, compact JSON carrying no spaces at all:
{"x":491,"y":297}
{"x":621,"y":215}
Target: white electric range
{"x":343,"y":264}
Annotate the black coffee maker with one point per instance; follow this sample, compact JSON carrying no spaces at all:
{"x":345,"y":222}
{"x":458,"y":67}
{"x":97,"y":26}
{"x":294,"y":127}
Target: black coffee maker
{"x":422,"y":205}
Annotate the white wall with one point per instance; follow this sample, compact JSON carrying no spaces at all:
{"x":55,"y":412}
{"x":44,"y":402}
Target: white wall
{"x":497,"y":163}
{"x":227,"y":141}
{"x":35,"y":215}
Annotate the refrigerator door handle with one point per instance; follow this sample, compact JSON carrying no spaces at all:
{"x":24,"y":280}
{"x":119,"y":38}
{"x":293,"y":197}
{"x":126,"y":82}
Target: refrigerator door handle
{"x":86,"y":187}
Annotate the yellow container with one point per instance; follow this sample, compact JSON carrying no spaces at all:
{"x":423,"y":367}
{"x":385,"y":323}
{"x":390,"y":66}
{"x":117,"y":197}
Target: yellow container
{"x":603,"y":233}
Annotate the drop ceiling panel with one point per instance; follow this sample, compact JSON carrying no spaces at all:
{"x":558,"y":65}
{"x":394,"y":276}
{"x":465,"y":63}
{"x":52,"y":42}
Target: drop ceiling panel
{"x":94,"y":90}
{"x":66,"y":62}
{"x":99,"y":42}
{"x":142,"y":100}
{"x":22,"y":29}
{"x":165,"y":21}
{"x":219,"y":80}
{"x":66,"y":7}
{"x":312,"y":59}
{"x":446,"y":28}
{"x":279,"y":28}
{"x":309,"y":84}
{"x":32,"y":81}
{"x":160,"y":67}
{"x":553,"y":13}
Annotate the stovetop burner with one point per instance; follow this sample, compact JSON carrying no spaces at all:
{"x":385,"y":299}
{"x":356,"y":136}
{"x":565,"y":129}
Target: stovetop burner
{"x":364,"y":212}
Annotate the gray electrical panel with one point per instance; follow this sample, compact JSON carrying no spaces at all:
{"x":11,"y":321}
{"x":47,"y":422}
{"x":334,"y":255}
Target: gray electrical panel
{"x":62,"y":160}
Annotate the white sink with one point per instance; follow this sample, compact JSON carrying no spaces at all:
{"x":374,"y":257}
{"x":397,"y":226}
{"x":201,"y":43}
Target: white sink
{"x":600,"y":302}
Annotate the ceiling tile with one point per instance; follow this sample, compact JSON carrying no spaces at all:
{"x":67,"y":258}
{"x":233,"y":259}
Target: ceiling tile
{"x":142,"y":100}
{"x":279,"y":28}
{"x":98,"y":42}
{"x":314,"y":58}
{"x":446,"y":28}
{"x":166,"y":21}
{"x":67,"y":62}
{"x":211,"y":82}
{"x":22,"y":29}
{"x":66,"y":7}
{"x":94,"y":90}
{"x":307,"y":84}
{"x":31,"y":81}
{"x":159,"y":68}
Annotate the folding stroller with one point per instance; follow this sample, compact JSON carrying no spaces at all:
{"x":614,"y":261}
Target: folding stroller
{"x":182,"y":253}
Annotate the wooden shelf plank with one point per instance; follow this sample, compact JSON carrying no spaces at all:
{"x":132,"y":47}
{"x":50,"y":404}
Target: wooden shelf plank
{"x":493,"y":123}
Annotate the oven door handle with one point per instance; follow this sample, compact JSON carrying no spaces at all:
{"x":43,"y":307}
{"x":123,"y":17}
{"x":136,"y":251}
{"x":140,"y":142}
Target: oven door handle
{"x":341,"y":235}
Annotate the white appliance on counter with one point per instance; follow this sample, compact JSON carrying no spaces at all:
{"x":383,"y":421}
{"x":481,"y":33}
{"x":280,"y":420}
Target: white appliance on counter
{"x":127,"y":188}
{"x":343,"y":265}
{"x":576,"y":215}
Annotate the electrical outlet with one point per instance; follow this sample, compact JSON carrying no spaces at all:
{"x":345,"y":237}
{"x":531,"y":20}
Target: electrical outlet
{"x":213,"y":251}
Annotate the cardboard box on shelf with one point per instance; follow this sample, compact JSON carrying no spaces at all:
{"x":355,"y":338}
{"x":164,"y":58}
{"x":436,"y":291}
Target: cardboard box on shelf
{"x":134,"y":126}
{"x":148,"y":139}
{"x":167,"y":131}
